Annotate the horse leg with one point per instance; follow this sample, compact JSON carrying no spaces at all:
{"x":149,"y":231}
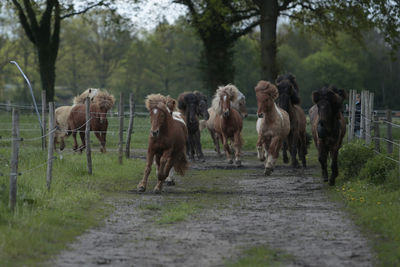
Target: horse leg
{"x":260,"y":149}
{"x":197,"y":142}
{"x":217,"y":138}
{"x":227,"y":149}
{"x":190,"y":147}
{"x":62,"y":144}
{"x":170,"y":179}
{"x":273,"y":153}
{"x":334,"y":167}
{"x":163,"y":171}
{"x":237,"y":146}
{"x":143,"y":184}
{"x":75,"y":147}
{"x":83,"y":146}
{"x":303,"y":149}
{"x":322,"y":158}
{"x":293,"y":150}
{"x":284,"y":152}
{"x":103,"y":141}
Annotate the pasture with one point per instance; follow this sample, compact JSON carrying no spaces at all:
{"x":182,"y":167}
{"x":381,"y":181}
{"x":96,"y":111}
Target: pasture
{"x":210,"y":208}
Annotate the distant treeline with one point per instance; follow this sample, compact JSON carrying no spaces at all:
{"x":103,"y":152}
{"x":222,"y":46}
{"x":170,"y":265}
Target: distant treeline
{"x":95,"y":51}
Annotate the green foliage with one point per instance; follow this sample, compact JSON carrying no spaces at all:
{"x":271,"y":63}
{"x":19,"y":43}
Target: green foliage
{"x":376,"y":169}
{"x":260,"y":257}
{"x":352,"y":157}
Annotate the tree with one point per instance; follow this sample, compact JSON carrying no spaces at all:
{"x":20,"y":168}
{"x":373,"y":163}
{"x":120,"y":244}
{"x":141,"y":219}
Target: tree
{"x":42,"y":22}
{"x":219,"y":23}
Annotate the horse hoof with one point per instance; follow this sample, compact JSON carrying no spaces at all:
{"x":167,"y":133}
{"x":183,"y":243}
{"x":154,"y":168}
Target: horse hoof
{"x":170,"y":183}
{"x":141,"y":189}
{"x":230,"y":161}
{"x":157,"y":190}
{"x":238,"y":163}
{"x":267,"y":171}
{"x":285,"y":160}
{"x":262,"y":159}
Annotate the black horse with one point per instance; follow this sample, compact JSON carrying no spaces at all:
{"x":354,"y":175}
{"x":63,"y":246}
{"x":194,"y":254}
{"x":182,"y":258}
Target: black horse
{"x":193,"y":105}
{"x":328,"y":127}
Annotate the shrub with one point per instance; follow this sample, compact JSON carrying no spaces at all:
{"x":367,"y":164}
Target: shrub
{"x":377,"y":169}
{"x":352,"y":158}
{"x":393,"y":180}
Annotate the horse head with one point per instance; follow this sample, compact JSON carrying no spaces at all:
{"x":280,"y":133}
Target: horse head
{"x":158,"y":117}
{"x":329,"y":102}
{"x":225,"y":103}
{"x":286,"y":90}
{"x":202,"y":108}
{"x":105,"y":102}
{"x":189,"y":104}
{"x":266,"y":93}
{"x":241,"y":105}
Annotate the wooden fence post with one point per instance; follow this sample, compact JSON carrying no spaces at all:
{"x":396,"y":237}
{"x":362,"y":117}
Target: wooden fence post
{"x":389,"y":131}
{"x":50,"y":148}
{"x":349,"y":116}
{"x":121,"y":129}
{"x":367,"y":118}
{"x":353,"y":114}
{"x":87,"y":136}
{"x":43,"y":119}
{"x":14,"y":159}
{"x":377,"y":134}
{"x":130,"y":126}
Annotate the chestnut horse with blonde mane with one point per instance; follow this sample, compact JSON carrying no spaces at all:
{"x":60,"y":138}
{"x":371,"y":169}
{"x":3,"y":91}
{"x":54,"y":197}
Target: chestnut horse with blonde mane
{"x":167,"y":143}
{"x":228,"y":123}
{"x":101,"y":104}
{"x":239,"y":104}
{"x":62,"y":114}
{"x":273,"y":125}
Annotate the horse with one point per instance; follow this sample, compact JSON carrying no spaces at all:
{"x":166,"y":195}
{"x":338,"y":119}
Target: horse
{"x":297,"y":138}
{"x":239,"y":104}
{"x":101,"y":104}
{"x":167,"y":141}
{"x":328,"y":127}
{"x":62,"y":113}
{"x":273,"y":125}
{"x":228,"y":123}
{"x":294,"y":97}
{"x":192,"y":105}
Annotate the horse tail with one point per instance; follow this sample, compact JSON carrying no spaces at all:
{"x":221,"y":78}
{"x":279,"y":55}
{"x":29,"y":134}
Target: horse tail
{"x":181,"y":164}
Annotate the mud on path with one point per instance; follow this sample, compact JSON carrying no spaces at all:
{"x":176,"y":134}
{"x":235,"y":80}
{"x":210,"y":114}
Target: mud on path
{"x":288,"y":211}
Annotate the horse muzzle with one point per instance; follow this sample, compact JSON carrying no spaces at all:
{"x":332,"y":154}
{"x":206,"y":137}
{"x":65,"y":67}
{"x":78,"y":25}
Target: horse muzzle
{"x":226,"y":114}
{"x":322,"y":131}
{"x":260,"y":115}
{"x":155,"y":133}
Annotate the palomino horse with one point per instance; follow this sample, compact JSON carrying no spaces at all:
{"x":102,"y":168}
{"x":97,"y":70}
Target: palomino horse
{"x":273,"y":125}
{"x":328,"y":127}
{"x":192,"y":105}
{"x":167,"y":141}
{"x":99,"y":107}
{"x":228,"y":123}
{"x":297,"y":138}
{"x":239,"y":104}
{"x":62,"y":113}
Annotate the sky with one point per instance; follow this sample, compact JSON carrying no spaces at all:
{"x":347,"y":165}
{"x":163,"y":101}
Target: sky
{"x":147,"y":14}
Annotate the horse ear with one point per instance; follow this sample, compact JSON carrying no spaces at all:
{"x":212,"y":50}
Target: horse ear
{"x":315,"y":97}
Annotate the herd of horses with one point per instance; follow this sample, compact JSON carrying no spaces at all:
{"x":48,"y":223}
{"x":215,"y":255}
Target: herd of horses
{"x":176,"y":126}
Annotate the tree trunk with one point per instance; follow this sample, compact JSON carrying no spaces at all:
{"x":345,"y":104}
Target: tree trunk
{"x":269,"y":16}
{"x":47,"y":70}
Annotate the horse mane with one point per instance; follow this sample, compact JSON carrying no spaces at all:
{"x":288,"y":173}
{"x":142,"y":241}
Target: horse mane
{"x":267,"y":88}
{"x":153,"y":100}
{"x":230,"y":90}
{"x":288,"y":76}
{"x":104,"y":100}
{"x":80,"y":99}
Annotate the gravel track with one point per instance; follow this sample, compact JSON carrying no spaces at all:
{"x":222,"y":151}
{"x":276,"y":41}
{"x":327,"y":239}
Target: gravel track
{"x":289,"y":211}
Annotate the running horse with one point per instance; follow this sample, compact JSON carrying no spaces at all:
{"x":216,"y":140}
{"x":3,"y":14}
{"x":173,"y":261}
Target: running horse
{"x":273,"y":125}
{"x":101,"y":104}
{"x":328,"y":127}
{"x":167,"y":141}
{"x":228,"y":123}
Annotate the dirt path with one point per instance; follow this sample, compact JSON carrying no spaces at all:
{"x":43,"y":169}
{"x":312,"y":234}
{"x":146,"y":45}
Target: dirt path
{"x":287,"y":211}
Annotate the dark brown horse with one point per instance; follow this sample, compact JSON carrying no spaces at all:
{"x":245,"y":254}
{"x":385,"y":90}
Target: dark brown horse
{"x":167,"y":141}
{"x":328,"y":127}
{"x":228,"y":123}
{"x":101,"y":104}
{"x":193,"y":105}
{"x":297,"y":138}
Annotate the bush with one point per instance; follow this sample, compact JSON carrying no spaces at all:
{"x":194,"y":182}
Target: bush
{"x":377,"y":169}
{"x":352,"y":158}
{"x":393,"y":180}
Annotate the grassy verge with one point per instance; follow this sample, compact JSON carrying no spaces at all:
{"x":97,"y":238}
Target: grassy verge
{"x":261,"y":256}
{"x":43,"y":221}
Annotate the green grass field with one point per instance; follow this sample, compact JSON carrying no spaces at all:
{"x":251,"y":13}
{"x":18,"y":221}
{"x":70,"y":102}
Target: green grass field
{"x":44,"y":222}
